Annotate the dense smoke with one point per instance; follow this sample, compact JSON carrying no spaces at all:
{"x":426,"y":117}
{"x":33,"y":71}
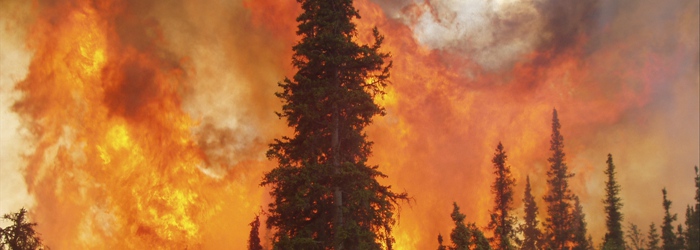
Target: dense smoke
{"x":623,"y":75}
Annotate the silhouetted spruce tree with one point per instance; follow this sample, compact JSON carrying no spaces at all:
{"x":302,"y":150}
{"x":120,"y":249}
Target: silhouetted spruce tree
{"x":635,"y":237}
{"x":20,"y":235}
{"x":653,"y":238}
{"x":531,"y":232}
{"x":691,"y":234}
{"x":466,"y":237}
{"x":460,"y":235}
{"x":324,"y":193}
{"x":440,"y":245}
{"x":578,"y":228}
{"x":692,"y":218}
{"x":680,"y":238}
{"x":667,"y":235}
{"x":559,"y":197}
{"x":480,"y":241}
{"x":254,"y":238}
{"x":614,"y":238}
{"x":502,"y":222}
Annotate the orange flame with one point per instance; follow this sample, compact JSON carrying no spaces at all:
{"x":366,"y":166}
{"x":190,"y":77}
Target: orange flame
{"x":130,"y":111}
{"x":112,"y":139}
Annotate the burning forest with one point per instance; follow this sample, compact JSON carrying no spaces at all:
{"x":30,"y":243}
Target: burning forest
{"x":365,"y":124}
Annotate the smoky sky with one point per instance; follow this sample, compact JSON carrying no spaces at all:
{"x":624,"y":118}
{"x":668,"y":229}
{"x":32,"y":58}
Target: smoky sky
{"x":467,"y":75}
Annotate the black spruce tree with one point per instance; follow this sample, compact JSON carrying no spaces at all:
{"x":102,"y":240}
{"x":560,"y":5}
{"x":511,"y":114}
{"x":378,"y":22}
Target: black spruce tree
{"x":502,"y":222}
{"x":614,"y":238}
{"x":692,"y":218}
{"x":531,"y":232}
{"x":20,"y":235}
{"x":254,"y":237}
{"x":653,"y":238}
{"x":668,"y":237}
{"x":558,"y":231}
{"x":324,"y":195}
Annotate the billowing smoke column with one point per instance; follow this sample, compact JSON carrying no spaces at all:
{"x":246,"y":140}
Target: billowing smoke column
{"x":121,"y":154}
{"x":145,"y":124}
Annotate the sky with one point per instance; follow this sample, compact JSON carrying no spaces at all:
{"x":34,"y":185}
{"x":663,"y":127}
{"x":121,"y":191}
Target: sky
{"x":149,"y":122}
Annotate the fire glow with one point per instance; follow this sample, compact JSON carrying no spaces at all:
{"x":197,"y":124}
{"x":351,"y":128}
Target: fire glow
{"x":146,"y":124}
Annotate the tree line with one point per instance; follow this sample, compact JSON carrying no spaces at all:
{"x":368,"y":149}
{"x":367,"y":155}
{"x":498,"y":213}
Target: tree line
{"x":325,"y":196}
{"x":564,"y":226}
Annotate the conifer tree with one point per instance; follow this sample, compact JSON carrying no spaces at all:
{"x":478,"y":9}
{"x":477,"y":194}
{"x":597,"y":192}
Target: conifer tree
{"x":579,"y":240}
{"x":667,"y":235}
{"x":614,"y":239}
{"x":461,"y":235}
{"x":20,"y":234}
{"x":254,"y":238}
{"x":466,"y":236}
{"x":691,"y":235}
{"x":324,"y":195}
{"x":680,"y":238}
{"x":440,"y":245}
{"x":653,"y":238}
{"x":531,"y":232}
{"x":479,"y":241}
{"x":635,"y":237}
{"x":692,"y":218}
{"x":559,"y":197}
{"x":502,"y":222}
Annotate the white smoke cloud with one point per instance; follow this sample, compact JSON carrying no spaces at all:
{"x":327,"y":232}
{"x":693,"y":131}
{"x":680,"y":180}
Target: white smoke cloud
{"x":494,"y":34}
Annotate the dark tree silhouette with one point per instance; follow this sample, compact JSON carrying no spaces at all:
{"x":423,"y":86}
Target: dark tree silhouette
{"x":531,"y":232}
{"x":466,"y":237}
{"x":692,"y":218}
{"x":461,"y":235}
{"x":579,"y":231}
{"x":559,"y":197}
{"x":653,"y":238}
{"x":635,"y":237}
{"x":614,"y":238}
{"x":502,"y":222}
{"x":667,"y":235}
{"x":440,"y":245}
{"x":254,"y":238}
{"x":20,"y":235}
{"x":324,"y":193}
{"x":691,"y":236}
{"x":680,"y":238}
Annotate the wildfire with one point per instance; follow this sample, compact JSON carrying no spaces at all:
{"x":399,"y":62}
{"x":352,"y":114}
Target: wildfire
{"x":111,"y":134}
{"x":148,"y":122}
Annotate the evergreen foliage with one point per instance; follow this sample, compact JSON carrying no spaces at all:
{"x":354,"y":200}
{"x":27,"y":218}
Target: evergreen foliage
{"x":502,"y":222}
{"x":440,"y":245}
{"x":324,"y":195}
{"x":466,"y":237}
{"x":254,"y":238}
{"x":614,"y":238}
{"x":635,"y":238}
{"x":531,"y":232}
{"x":460,"y":235}
{"x":653,"y":238}
{"x":559,"y":197}
{"x":692,"y":218}
{"x":579,"y":231}
{"x":20,"y":235}
{"x":667,"y":235}
{"x":680,"y":238}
